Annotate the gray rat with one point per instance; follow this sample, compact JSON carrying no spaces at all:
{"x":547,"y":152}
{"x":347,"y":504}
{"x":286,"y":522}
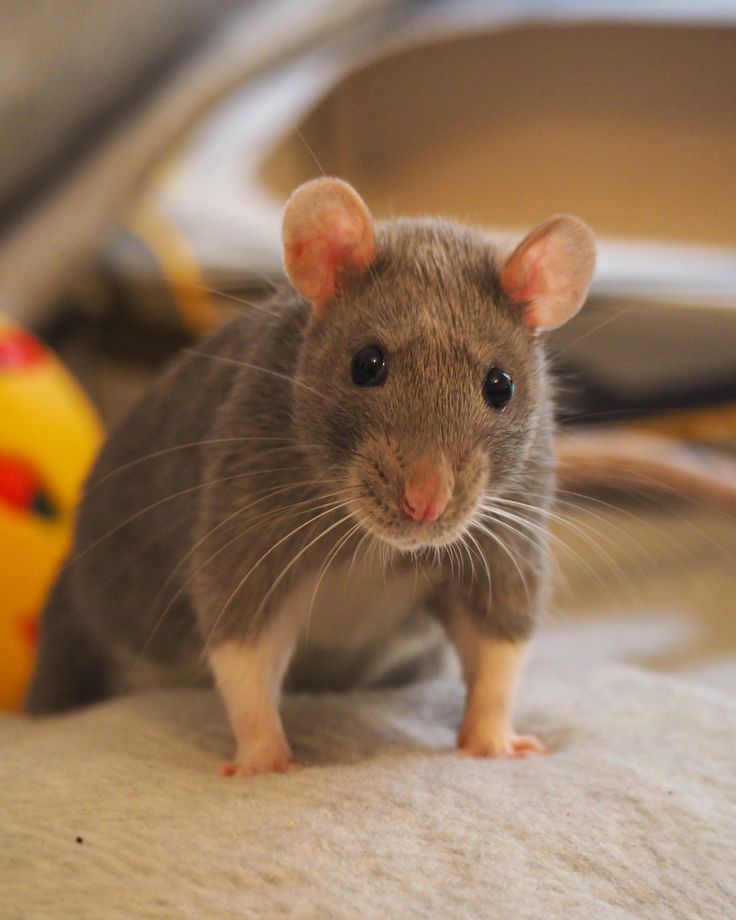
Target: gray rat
{"x":377,"y":439}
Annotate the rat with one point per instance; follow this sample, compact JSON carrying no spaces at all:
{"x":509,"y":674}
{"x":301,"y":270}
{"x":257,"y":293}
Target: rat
{"x":375,"y":443}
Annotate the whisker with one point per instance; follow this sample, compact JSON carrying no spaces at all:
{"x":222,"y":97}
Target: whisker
{"x":162,"y":501}
{"x":495,"y":537}
{"x":371,"y":269}
{"x":609,"y":319}
{"x":362,"y":540}
{"x":539,"y":543}
{"x":634,"y":478}
{"x":384,"y":553}
{"x":294,"y":560}
{"x":91,"y":486}
{"x":458,"y":555}
{"x":263,"y":308}
{"x":451,"y":560}
{"x":259,"y":520}
{"x":464,"y":545}
{"x":254,"y":367}
{"x":643,"y":520}
{"x":264,"y":556}
{"x":119,"y":569}
{"x":523,"y":522}
{"x":584,"y":532}
{"x":483,"y":559}
{"x":329,"y":559}
{"x":579,"y":506}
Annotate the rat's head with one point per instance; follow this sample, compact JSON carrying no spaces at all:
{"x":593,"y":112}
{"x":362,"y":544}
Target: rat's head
{"x":425,"y":388}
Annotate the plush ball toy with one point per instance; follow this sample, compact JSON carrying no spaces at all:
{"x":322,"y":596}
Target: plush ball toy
{"x":49,"y":434}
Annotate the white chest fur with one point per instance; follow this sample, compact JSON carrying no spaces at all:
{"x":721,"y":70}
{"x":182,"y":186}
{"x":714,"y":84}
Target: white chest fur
{"x":359,"y":623}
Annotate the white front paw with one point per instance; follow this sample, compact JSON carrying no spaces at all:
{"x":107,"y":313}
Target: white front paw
{"x":473,"y":742}
{"x":271,"y":756}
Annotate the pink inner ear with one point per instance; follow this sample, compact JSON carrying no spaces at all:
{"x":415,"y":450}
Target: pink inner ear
{"x":550,"y":272}
{"x":334,"y":244}
{"x":522,"y":275}
{"x":537,"y":277}
{"x":321,"y":242}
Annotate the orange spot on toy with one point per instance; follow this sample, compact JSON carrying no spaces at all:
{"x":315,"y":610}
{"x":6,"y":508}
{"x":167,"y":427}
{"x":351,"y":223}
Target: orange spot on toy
{"x":29,"y":631}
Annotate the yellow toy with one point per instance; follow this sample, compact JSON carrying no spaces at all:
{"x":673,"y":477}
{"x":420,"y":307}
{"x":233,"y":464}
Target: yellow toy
{"x":49,"y":435}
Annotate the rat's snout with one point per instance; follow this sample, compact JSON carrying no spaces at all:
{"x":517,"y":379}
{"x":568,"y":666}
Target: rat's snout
{"x":427,"y":491}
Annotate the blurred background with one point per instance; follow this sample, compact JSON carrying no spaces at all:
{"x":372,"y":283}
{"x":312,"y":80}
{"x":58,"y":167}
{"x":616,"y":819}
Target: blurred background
{"x":148,"y":149}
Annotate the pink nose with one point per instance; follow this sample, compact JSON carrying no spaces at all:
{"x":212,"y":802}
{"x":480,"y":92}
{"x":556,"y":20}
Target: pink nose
{"x":425,"y":499}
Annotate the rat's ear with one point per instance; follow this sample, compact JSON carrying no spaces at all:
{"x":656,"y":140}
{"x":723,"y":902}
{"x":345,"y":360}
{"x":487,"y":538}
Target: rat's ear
{"x":550,"y":271}
{"x":327,"y":231}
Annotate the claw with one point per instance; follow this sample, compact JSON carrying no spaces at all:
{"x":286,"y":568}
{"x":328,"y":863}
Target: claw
{"x":282,"y":762}
{"x":518,"y":747}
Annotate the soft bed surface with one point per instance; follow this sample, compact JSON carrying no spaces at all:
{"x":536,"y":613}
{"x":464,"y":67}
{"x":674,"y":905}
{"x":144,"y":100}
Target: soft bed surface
{"x":633,"y":815}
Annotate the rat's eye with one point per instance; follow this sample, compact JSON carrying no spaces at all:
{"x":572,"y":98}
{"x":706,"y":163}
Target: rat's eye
{"x":498,"y":388}
{"x":368,"y":368}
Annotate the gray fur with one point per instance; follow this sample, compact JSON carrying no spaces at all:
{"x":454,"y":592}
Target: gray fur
{"x":434,"y":302}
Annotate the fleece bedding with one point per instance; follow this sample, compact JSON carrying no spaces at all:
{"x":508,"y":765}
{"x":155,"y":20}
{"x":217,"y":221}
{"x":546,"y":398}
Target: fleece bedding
{"x":117,"y":812}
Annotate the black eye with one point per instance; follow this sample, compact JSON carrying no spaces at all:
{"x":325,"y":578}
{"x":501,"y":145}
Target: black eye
{"x":498,"y":388}
{"x":368,"y":368}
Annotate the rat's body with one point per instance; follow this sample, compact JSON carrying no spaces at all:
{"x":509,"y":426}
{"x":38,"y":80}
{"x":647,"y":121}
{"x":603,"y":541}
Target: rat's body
{"x":368,"y":415}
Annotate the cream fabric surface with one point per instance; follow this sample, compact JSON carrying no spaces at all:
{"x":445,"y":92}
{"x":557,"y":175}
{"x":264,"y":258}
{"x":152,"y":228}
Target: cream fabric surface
{"x":633,"y":815}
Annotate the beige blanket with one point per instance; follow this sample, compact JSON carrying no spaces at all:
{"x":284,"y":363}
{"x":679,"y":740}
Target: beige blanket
{"x":117,"y":812}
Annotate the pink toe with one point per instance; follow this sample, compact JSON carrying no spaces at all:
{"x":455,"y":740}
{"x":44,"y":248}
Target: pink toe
{"x":527,"y":745}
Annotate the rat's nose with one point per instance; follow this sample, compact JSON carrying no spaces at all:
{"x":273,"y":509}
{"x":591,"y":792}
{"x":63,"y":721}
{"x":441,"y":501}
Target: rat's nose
{"x":425,"y":497}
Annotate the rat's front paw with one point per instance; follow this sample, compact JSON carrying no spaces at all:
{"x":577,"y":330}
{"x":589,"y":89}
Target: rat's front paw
{"x":472,"y":744}
{"x":275,"y":758}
